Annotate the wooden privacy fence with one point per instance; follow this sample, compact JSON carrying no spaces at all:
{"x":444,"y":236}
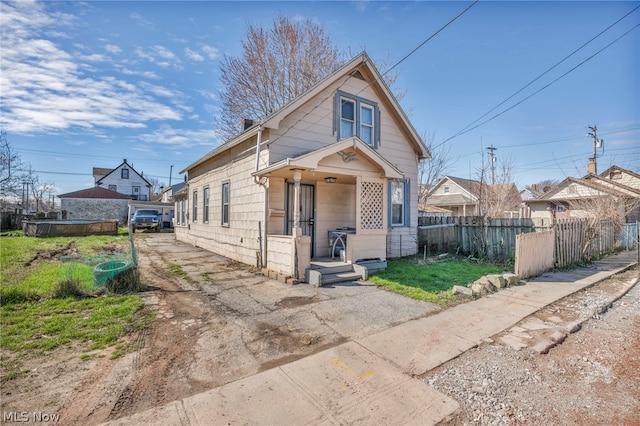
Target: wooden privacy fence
{"x":576,"y":242}
{"x":534,"y":253}
{"x":494,"y":238}
{"x":628,"y":236}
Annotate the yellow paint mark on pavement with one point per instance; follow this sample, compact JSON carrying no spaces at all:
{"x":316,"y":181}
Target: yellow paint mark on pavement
{"x":352,"y":373}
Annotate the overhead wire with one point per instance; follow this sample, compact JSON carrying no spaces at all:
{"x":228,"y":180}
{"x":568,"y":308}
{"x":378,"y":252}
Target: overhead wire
{"x":467,"y":128}
{"x":546,"y":72}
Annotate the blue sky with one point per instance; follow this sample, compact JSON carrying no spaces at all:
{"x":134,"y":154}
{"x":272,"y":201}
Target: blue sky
{"x":86,"y":84}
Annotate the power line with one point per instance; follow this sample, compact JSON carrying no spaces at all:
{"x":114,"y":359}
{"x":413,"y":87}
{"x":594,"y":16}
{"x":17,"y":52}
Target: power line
{"x":546,"y":72}
{"x":543,"y":87}
{"x":432,"y":36}
{"x":467,"y":129}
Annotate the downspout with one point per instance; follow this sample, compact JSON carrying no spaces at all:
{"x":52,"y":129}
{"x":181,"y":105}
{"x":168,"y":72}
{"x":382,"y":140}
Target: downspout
{"x":257,"y":180}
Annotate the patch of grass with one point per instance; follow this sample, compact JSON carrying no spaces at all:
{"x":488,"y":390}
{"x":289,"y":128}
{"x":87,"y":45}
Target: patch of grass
{"x":177,"y":270}
{"x":430,"y":281}
{"x":47,"y":304}
{"x":95,"y":323}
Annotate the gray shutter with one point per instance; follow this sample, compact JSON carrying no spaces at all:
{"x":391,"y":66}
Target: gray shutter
{"x":336,"y":115}
{"x":376,"y":129}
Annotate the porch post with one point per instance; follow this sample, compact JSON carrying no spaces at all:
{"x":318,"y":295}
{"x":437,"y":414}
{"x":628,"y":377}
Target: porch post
{"x":297,"y":175}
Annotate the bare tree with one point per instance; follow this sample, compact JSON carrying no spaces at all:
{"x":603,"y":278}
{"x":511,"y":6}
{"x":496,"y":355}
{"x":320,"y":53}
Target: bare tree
{"x":431,"y":170}
{"x":600,"y":208}
{"x":11,"y":169}
{"x":275,"y":66}
{"x":156,"y":185}
{"x":503,"y":197}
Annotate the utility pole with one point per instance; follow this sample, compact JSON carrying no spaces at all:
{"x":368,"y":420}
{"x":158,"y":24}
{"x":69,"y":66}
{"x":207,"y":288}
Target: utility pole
{"x":170,"y":173}
{"x":597,"y":143}
{"x":493,"y":163}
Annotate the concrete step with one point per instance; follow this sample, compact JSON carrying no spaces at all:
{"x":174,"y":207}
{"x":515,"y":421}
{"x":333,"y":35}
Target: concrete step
{"x":337,"y":269}
{"x":334,"y":274}
{"x":342,"y":277}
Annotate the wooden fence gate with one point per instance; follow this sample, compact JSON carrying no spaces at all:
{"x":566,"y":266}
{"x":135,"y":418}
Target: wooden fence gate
{"x":534,"y":253}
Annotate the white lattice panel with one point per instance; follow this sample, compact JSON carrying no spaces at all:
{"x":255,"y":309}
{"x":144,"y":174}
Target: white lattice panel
{"x":371,"y":205}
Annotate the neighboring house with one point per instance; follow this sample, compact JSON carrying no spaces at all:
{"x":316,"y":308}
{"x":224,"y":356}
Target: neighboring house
{"x":526,"y":194}
{"x":577,"y":197}
{"x":341,"y":159}
{"x":502,"y":201}
{"x":426,"y":210}
{"x":465,"y":197}
{"x":168,"y":192}
{"x":95,"y":204}
{"x":459,"y":196}
{"x":622,"y":177}
{"x":125,"y":180}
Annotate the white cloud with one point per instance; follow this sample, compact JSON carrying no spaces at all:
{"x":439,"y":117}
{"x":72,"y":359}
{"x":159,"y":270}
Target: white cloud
{"x":194,"y":56}
{"x":140,"y":20}
{"x":44,"y":88}
{"x":112,"y":48}
{"x":181,"y":138}
{"x":211,"y":52}
{"x":160,"y":56}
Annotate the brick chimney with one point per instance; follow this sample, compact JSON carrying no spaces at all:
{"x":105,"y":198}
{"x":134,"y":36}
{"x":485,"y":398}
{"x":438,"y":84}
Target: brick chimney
{"x":246,"y":123}
{"x":592,"y":166}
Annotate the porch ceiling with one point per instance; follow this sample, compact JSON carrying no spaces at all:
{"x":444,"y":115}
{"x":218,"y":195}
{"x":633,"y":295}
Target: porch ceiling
{"x":347,"y":159}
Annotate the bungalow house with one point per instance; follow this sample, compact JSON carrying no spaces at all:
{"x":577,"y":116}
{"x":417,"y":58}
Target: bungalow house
{"x":125,"y":180}
{"x":577,"y":197}
{"x":333,"y":173}
{"x":458,"y":195}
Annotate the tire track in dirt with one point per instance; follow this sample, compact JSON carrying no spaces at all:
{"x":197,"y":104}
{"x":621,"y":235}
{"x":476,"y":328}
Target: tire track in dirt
{"x":157,"y":372}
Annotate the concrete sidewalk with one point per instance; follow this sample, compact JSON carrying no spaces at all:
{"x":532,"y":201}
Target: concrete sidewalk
{"x":371,"y":381}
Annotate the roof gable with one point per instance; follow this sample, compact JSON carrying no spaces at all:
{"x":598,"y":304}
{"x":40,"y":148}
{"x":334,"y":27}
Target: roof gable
{"x":573,"y":188}
{"x":360,"y":66}
{"x":467,"y":187}
{"x":129,"y":166}
{"x":345,"y":151}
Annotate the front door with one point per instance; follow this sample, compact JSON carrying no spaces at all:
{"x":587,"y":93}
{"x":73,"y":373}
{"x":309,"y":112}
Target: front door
{"x":306,"y":208}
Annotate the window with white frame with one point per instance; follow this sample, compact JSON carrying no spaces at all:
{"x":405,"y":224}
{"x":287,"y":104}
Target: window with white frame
{"x":124,"y":173}
{"x":113,"y":187}
{"x":224,"y":220}
{"x":446,"y":190}
{"x":399,"y":213}
{"x":194,"y":205}
{"x":356,"y":116}
{"x":184,"y":211}
{"x":205,"y":205}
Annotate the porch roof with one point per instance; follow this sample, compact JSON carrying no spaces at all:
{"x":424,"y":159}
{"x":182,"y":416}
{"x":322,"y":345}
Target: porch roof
{"x":311,"y":160}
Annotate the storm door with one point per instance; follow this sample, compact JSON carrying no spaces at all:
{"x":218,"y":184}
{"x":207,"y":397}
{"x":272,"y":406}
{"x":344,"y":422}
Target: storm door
{"x":306,"y":208}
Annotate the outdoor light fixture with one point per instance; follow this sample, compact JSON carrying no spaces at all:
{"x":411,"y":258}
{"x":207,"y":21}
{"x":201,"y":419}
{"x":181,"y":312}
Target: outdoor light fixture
{"x":330,"y":179}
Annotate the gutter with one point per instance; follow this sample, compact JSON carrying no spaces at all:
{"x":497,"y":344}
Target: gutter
{"x":259,"y":181}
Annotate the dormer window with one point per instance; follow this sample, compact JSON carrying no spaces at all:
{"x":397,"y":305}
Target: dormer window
{"x":124,"y":173}
{"x":356,"y":116}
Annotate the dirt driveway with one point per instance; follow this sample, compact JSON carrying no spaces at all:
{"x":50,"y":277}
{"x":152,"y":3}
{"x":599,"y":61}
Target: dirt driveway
{"x":220,"y":322}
